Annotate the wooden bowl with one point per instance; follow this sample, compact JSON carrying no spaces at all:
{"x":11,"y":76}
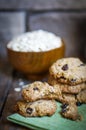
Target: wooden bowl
{"x":34,"y":62}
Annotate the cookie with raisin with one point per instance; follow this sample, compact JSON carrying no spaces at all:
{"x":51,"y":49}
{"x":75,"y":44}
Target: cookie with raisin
{"x":66,"y":88}
{"x":37,"y":108}
{"x":70,"y":71}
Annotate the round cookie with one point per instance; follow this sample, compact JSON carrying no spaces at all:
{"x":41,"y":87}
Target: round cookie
{"x":70,"y":71}
{"x":65,"y":88}
{"x":70,"y":111}
{"x":40,"y":90}
{"x":37,"y":108}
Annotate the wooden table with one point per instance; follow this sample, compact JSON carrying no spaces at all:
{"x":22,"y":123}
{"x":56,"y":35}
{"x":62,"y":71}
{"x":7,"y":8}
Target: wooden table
{"x":9,"y":81}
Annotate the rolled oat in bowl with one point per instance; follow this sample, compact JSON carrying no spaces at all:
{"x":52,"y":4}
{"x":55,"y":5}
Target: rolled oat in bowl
{"x":35,"y":41}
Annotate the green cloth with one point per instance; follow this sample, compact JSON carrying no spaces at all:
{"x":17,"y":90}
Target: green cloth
{"x":55,"y":122}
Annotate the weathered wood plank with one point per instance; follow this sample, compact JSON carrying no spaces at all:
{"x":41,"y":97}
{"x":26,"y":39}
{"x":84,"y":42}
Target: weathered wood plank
{"x":70,"y":26}
{"x":13,"y":96}
{"x":5,"y":82}
{"x":42,"y":4}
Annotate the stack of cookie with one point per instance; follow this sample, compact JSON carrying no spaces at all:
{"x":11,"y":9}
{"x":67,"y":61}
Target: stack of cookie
{"x":69,"y":76}
{"x":33,"y":103}
{"x":67,"y":84}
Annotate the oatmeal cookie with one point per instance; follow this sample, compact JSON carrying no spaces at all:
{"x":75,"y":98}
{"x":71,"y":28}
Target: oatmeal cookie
{"x":40,"y":90}
{"x":71,"y":71}
{"x":65,"y":88}
{"x":70,"y":111}
{"x":37,"y":108}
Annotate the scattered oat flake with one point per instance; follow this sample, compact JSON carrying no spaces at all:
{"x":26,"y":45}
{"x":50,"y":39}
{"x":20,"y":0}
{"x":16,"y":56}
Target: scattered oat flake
{"x":17,"y":89}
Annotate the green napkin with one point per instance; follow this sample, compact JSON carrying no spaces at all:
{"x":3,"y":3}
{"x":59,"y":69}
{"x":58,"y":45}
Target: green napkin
{"x":55,"y":122}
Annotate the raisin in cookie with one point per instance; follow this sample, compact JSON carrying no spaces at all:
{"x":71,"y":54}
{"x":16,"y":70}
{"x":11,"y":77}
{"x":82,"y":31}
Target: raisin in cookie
{"x":69,"y":70}
{"x":70,"y":111}
{"x":65,"y":88}
{"x":37,"y":108}
{"x":81,"y":97}
{"x":39,"y":90}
